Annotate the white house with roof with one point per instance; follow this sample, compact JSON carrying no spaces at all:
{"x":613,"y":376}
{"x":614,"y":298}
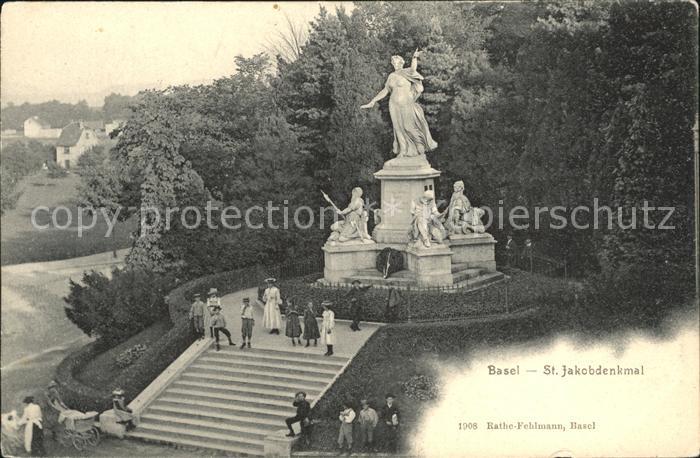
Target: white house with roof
{"x":35,"y":127}
{"x":75,"y":139}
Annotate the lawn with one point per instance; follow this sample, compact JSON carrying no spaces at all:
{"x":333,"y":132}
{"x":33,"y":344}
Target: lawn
{"x":103,"y":369}
{"x":22,"y":242}
{"x":399,"y":354}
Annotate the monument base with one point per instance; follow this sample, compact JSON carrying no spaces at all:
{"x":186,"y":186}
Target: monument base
{"x":403,"y":180}
{"x":474,"y":250}
{"x":431,"y":266}
{"x":393,"y":238}
{"x":343,"y":260}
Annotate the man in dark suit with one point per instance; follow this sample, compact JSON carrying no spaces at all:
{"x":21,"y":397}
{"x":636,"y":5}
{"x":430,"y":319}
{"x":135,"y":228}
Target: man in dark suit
{"x":389,"y":418}
{"x":356,"y":303}
{"x":302,"y":416}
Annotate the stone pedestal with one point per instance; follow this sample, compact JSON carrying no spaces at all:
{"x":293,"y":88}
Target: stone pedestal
{"x":475,"y":250}
{"x":402,"y":180}
{"x":345,"y":259}
{"x":109,"y":424}
{"x":431,"y":266}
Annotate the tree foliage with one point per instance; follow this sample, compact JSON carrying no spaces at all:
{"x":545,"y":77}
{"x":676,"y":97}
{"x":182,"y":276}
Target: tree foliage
{"x":118,"y":307}
{"x":20,"y":159}
{"x":534,"y":104}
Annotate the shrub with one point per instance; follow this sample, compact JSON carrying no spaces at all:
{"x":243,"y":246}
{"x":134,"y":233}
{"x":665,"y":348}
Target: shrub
{"x":638,"y":297}
{"x":128,"y":357}
{"x":8,"y":191}
{"x":56,"y":171}
{"x":118,"y":307}
{"x":93,"y":157}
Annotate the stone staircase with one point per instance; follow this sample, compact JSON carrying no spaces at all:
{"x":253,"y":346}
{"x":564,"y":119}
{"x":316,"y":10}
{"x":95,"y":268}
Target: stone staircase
{"x":475,"y":277}
{"x":232,"y":399}
{"x":462,"y":276}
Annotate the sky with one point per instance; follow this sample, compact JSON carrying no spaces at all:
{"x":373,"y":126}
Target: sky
{"x":72,"y":51}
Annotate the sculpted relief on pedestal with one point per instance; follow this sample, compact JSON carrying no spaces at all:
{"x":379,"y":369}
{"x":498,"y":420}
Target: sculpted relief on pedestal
{"x":460,"y":217}
{"x":354,"y":225}
{"x":426,"y":226}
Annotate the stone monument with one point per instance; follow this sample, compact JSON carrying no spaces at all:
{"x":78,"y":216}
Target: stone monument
{"x":440,"y":249}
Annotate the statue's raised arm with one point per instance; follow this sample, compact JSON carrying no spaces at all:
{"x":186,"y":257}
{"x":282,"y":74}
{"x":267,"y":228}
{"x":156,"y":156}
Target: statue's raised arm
{"x":414,"y":60}
{"x":411,"y":134}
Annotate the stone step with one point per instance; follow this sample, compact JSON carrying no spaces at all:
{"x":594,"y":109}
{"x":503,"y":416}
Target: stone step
{"x":218,"y":388}
{"x":459,"y":266}
{"x":267,"y":384}
{"x":336,"y":362}
{"x":377,"y":274}
{"x":184,"y":436}
{"x":243,"y":364}
{"x":261,"y":414}
{"x":268,"y":374}
{"x":379,"y":281}
{"x":240,"y":432}
{"x":203,"y":413}
{"x":225,"y":396}
{"x":482,"y":280}
{"x":465,"y":275}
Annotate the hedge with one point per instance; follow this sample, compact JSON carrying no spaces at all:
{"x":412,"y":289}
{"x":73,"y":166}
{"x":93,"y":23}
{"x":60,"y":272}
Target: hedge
{"x":75,"y":393}
{"x":521,"y":290}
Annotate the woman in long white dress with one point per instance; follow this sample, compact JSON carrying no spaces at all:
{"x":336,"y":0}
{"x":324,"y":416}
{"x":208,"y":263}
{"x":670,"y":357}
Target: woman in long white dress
{"x":272,"y":318}
{"x":327,"y":336}
{"x":411,"y":134}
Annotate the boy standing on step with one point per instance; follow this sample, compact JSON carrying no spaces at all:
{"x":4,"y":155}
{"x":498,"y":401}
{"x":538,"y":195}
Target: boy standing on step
{"x":218,"y":322}
{"x":247,"y":321}
{"x":197,"y":316}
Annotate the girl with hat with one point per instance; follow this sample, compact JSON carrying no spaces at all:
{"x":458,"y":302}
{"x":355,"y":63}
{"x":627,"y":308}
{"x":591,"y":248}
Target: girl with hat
{"x":327,"y":327}
{"x":310,"y":325}
{"x":293,"y":327}
{"x":121,"y":411}
{"x":272,"y":318}
{"x":212,"y":301}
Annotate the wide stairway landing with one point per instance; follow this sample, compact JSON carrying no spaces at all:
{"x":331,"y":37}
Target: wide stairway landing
{"x":231,"y":399}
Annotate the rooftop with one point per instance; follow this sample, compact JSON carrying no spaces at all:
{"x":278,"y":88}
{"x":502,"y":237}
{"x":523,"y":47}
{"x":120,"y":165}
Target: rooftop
{"x":70,"y":135}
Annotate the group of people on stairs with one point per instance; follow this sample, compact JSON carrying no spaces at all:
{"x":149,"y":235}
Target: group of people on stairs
{"x":208,"y":316}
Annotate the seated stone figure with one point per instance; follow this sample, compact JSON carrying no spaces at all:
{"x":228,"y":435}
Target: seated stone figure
{"x":426,"y":225}
{"x":460,"y":217}
{"x":354,"y":226}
